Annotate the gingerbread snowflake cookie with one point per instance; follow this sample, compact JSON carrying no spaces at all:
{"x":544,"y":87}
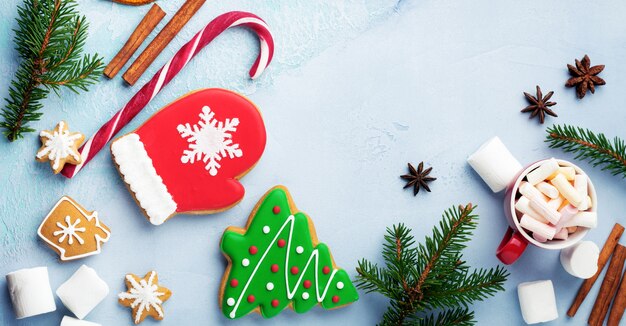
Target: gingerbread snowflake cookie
{"x":144,"y":296}
{"x":72,"y":231}
{"x":189,"y":157}
{"x":277,"y":262}
{"x":60,"y":146}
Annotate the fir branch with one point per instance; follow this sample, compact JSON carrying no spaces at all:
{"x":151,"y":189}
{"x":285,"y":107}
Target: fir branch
{"x":421,"y":278}
{"x":49,"y":39}
{"x":597,"y":148}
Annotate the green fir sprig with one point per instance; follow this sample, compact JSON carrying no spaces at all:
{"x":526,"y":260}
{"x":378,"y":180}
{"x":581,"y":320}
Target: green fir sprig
{"x":429,"y":283}
{"x":49,"y":40}
{"x":596,"y":148}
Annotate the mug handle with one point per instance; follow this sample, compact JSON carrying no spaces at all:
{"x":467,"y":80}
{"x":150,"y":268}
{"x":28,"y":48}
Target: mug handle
{"x":511,"y":247}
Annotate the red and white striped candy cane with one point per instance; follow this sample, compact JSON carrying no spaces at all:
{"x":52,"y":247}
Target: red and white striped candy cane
{"x":167,"y":73}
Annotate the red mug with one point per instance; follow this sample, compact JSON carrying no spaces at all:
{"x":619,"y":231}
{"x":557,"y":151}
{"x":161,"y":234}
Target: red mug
{"x":516,"y":239}
{"x":500,"y":170}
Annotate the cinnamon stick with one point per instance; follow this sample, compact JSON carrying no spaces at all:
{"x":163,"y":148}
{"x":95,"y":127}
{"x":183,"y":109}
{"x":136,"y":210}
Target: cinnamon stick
{"x":605,"y":254}
{"x":180,"y":19}
{"x":617,"y":311}
{"x":145,"y":27}
{"x":608,"y":288}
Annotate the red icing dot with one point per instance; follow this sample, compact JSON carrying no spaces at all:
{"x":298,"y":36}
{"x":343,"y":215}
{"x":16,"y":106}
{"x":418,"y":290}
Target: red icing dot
{"x":307,"y":284}
{"x":251,"y":298}
{"x":253,"y":250}
{"x":276,"y":209}
{"x":234,"y":282}
{"x":274,"y":303}
{"x":281,"y":243}
{"x":294,"y":270}
{"x":335,"y":299}
{"x":326,"y":270}
{"x":274,"y":268}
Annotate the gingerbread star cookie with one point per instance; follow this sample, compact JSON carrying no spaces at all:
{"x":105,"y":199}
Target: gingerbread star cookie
{"x":145,"y":296}
{"x":72,"y":231}
{"x":60,"y":146}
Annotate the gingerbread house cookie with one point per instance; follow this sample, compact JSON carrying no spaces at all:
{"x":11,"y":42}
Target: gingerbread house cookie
{"x":72,"y":231}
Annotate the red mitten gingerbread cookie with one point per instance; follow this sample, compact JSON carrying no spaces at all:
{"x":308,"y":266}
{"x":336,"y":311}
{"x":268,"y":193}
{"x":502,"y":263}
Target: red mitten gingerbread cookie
{"x":188,"y":157}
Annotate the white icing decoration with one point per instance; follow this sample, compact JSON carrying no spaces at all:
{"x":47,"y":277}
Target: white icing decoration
{"x":230,"y":302}
{"x":299,"y":250}
{"x":58,"y":145}
{"x":69,"y":231}
{"x":209,"y":141}
{"x":136,"y":167}
{"x":305,"y":296}
{"x":290,"y":292}
{"x":266,"y":229}
{"x":269,"y":286}
{"x":144,"y":294}
{"x":97,"y":238}
{"x":245,"y":262}
{"x":340,"y":285}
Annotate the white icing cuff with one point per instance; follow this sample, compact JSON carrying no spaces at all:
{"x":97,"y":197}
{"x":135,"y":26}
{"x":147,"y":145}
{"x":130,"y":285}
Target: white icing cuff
{"x":30,"y":292}
{"x":138,"y":172}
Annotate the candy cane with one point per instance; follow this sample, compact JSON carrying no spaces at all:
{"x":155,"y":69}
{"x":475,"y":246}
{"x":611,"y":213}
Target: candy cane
{"x":169,"y":70}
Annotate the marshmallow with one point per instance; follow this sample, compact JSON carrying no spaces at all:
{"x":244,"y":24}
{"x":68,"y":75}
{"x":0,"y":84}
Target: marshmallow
{"x":589,"y":202}
{"x":581,"y":259}
{"x":495,"y":164}
{"x":539,"y":238}
{"x":71,"y":321}
{"x":30,"y":292}
{"x":548,"y":190}
{"x":568,"y":172}
{"x":534,"y":226}
{"x":572,"y":229}
{"x":580,"y":184}
{"x":541,"y":173}
{"x":562,"y":234}
{"x":556,"y":202}
{"x":567,"y":213}
{"x":537,"y":202}
{"x":83,"y":291}
{"x":584,"y":219}
{"x":567,"y":190}
{"x":523,"y":206}
{"x":537,"y":301}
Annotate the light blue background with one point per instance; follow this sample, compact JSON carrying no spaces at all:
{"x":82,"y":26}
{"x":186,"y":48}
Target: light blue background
{"x":356,"y":90}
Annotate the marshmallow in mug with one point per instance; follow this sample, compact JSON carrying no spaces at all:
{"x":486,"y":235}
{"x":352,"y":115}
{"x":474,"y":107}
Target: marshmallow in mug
{"x":30,"y":292}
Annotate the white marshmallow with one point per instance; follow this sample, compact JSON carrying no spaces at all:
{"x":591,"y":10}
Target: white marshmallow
{"x":542,"y":172}
{"x":30,"y":292}
{"x":581,"y":259}
{"x":584,"y":219}
{"x":548,"y":190}
{"x":567,"y":213}
{"x":539,"y":238}
{"x":495,"y":164}
{"x":71,"y":321}
{"x":523,"y":206}
{"x":83,"y":291}
{"x":538,"y":203}
{"x":556,"y":202}
{"x":534,"y":226}
{"x":568,"y":172}
{"x":537,"y":301}
{"x":580,"y":184}
{"x":567,"y":190}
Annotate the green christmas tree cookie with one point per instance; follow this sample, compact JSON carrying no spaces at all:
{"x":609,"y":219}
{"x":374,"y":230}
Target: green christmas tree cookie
{"x":277,"y":262}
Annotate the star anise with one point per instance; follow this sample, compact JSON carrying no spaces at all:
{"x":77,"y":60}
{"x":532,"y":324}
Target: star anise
{"x":539,"y":106}
{"x":584,"y":76}
{"x":418,"y":178}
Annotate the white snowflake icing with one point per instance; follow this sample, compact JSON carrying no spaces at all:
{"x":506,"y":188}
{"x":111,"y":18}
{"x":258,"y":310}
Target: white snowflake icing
{"x":210,"y":140}
{"x":69,"y":231}
{"x":144,"y":294}
{"x":58,"y":144}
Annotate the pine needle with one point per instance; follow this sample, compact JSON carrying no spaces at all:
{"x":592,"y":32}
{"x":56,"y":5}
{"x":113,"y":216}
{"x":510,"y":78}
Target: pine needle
{"x":49,"y":39}
{"x":596,"y":148}
{"x":429,"y":283}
